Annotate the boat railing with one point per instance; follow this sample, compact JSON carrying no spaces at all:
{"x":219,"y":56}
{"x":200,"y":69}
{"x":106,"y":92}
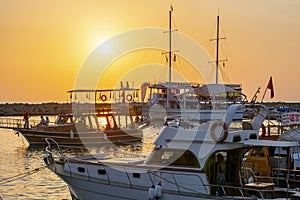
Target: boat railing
{"x":50,"y":152}
{"x":14,"y":123}
{"x":10,"y":122}
{"x":243,"y":191}
{"x":289,"y":178}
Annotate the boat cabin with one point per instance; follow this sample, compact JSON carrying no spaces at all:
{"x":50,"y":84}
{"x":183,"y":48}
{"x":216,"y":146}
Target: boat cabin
{"x":268,"y":159}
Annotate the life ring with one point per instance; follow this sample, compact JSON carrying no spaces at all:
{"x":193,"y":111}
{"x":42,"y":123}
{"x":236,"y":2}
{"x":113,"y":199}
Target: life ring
{"x":129,"y":97}
{"x":225,"y":131}
{"x":263,"y":130}
{"x":103,"y":98}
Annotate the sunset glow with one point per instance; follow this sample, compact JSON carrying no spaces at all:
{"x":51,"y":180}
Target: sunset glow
{"x":45,"y":43}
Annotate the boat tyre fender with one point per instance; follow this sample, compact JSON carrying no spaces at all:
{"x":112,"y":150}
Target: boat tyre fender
{"x":129,"y":97}
{"x":103,"y":98}
{"x":223,"y":137}
{"x":263,"y":130}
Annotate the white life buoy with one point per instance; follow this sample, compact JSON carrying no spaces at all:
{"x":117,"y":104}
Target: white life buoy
{"x":158,"y":191}
{"x":151,"y":193}
{"x":129,"y":97}
{"x":103,"y":98}
{"x":225,"y":133}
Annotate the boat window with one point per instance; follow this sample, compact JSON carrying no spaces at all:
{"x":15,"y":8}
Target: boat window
{"x":136,"y":175}
{"x":172,"y":157}
{"x":81,"y":169}
{"x":258,"y":152}
{"x":102,"y":122}
{"x":63,"y":120}
{"x":94,"y":123}
{"x":101,"y":171}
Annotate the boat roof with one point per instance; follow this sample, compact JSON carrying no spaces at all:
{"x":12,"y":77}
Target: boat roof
{"x":291,"y":135}
{"x":172,"y":85}
{"x":104,"y":90}
{"x":270,"y":143}
{"x":211,"y":89}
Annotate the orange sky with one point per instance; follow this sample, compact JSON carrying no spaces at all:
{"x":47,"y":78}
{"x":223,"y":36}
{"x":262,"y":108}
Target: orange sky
{"x":44,"y":43}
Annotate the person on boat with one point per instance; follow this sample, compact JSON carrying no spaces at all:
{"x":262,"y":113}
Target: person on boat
{"x":43,"y":121}
{"x":26,"y":119}
{"x":210,"y":171}
{"x":137,"y":120}
{"x":221,"y":168}
{"x":47,"y":121}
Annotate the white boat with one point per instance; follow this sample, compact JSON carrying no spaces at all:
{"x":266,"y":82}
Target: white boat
{"x":182,"y":165}
{"x":192,"y":101}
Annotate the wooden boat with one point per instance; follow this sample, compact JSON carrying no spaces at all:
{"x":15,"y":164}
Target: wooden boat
{"x":83,"y":130}
{"x":90,"y":123}
{"x":182,"y":165}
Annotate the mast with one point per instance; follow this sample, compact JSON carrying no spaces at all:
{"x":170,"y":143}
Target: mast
{"x":217,"y":49}
{"x":170,"y":44}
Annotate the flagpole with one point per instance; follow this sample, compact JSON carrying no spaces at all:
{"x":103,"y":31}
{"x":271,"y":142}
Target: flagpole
{"x":269,"y":86}
{"x":264,"y":95}
{"x":170,"y":44}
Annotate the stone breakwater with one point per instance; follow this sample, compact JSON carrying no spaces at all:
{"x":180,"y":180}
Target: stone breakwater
{"x":18,"y":109}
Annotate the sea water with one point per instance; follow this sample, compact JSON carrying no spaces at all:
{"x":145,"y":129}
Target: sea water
{"x":22,"y":171}
{"x":23,"y":174}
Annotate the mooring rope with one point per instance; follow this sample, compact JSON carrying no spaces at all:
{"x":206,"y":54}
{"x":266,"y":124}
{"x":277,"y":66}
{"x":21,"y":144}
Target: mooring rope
{"x":21,"y":175}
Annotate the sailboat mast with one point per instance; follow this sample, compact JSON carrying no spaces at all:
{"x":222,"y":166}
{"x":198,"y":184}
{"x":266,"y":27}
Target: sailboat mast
{"x":170,"y":45}
{"x":217,"y":49}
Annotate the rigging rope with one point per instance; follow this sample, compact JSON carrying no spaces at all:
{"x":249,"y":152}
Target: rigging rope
{"x":21,"y":175}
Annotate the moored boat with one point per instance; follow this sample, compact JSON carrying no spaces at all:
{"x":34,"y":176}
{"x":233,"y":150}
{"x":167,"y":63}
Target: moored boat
{"x":88,"y":123}
{"x":192,"y":101}
{"x":198,"y":101}
{"x":83,"y":130}
{"x":184,"y":164}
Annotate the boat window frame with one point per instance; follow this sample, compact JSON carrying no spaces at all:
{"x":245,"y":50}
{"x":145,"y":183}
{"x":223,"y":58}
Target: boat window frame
{"x":180,"y":158}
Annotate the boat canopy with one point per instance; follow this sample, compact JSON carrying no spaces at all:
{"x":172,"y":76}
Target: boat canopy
{"x":291,"y":135}
{"x":213,"y":89}
{"x":210,"y":90}
{"x":270,"y":143}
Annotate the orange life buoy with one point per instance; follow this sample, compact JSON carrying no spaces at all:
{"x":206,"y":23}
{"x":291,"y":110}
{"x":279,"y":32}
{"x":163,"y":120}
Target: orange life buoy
{"x":103,"y":98}
{"x":263,"y":130}
{"x":129,"y":97}
{"x":212,"y":131}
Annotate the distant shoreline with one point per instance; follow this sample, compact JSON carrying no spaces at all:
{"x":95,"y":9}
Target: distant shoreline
{"x":53,"y":108}
{"x":18,"y":109}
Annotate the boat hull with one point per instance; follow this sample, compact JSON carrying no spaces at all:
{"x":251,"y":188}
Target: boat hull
{"x":116,"y":186}
{"x":103,"y":191}
{"x":37,"y":137}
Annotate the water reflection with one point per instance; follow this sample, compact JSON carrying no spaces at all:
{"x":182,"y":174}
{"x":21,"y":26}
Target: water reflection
{"x":23,"y":173}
